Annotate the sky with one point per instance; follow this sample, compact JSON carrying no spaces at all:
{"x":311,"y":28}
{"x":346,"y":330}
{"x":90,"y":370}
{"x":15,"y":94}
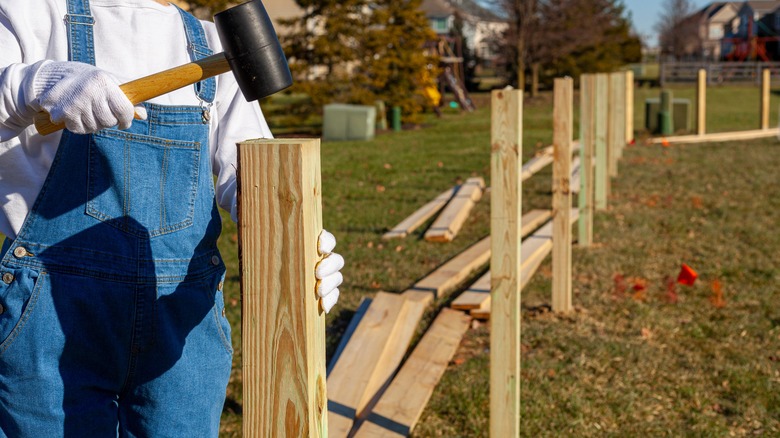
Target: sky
{"x":644,"y":14}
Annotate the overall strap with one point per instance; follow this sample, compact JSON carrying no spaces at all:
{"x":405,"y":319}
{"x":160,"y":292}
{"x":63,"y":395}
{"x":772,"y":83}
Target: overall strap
{"x":79,"y":21}
{"x":198,"y":47}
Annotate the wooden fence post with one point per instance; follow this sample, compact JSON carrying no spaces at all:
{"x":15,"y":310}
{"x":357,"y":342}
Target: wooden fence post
{"x":613,"y":127}
{"x":506,"y":139}
{"x":766,"y":84}
{"x":282,"y":323}
{"x":620,"y":116}
{"x":701,"y":103}
{"x":601,"y":180}
{"x":629,"y":106}
{"x":563,"y":117}
{"x":587,"y":140}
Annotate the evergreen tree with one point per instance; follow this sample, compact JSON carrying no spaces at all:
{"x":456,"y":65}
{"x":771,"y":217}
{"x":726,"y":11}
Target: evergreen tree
{"x":358,"y":51}
{"x":394,"y":66}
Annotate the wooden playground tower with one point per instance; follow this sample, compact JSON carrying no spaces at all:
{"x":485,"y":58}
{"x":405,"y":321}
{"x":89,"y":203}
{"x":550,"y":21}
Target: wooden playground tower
{"x":449,"y":50}
{"x":750,"y":48}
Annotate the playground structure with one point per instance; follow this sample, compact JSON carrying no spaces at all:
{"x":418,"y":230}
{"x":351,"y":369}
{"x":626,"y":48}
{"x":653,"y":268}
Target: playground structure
{"x":374,"y":392}
{"x":449,"y":50}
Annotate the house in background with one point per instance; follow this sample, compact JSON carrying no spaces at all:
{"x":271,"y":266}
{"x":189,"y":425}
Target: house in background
{"x":482,"y":25}
{"x":706,"y":28}
{"x":280,"y":10}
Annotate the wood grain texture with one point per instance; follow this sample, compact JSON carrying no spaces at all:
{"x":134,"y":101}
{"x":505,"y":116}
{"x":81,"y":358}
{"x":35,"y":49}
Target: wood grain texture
{"x":506,"y":142}
{"x":283,"y":325}
{"x":454,"y":215}
{"x":701,"y":102}
{"x":356,"y":373}
{"x":351,"y":327}
{"x":398,"y":410}
{"x":148,"y":87}
{"x":563,"y":119}
{"x":766,"y":85}
{"x":601,"y":179}
{"x":587,"y":153}
{"x":419,"y":217}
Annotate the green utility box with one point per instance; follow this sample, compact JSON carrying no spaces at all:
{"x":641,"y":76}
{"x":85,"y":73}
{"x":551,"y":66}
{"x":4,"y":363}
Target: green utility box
{"x":348,"y":122}
{"x":681,"y":114}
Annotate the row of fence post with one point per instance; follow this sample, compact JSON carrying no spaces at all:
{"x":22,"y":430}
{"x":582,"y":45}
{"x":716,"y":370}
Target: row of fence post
{"x":280,"y":216}
{"x":606,"y":126}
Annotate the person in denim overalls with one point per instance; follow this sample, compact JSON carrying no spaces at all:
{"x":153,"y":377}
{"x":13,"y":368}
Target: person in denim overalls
{"x":111,"y":292}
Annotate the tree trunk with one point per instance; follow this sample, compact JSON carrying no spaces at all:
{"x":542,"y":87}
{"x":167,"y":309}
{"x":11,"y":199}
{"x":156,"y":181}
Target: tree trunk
{"x":534,"y":79}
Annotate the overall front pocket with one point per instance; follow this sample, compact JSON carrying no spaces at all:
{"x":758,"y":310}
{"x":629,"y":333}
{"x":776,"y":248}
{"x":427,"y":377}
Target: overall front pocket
{"x":17,"y":302}
{"x":143,"y":185}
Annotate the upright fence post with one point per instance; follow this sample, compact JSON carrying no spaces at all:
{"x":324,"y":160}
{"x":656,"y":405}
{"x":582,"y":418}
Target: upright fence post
{"x":587,"y":143}
{"x":601,"y":180}
{"x":620,"y":117}
{"x":282,"y":323}
{"x":506,"y":139}
{"x":613,"y":126}
{"x":563,"y":117}
{"x":629,"y":106}
{"x":766,"y":84}
{"x":701,"y":103}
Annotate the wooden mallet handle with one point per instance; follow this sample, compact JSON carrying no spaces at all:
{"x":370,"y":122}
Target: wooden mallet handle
{"x":148,"y":87}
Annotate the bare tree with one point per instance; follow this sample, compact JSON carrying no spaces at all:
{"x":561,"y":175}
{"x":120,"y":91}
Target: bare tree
{"x":674,"y":28}
{"x":524,"y":23}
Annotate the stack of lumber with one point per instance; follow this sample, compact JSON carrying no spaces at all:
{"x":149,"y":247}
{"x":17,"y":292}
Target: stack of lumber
{"x":378,"y":337}
{"x":420,"y":216}
{"x":398,"y":409}
{"x":542,"y":159}
{"x":370,"y":358}
{"x":454,"y":215}
{"x":533,"y":250}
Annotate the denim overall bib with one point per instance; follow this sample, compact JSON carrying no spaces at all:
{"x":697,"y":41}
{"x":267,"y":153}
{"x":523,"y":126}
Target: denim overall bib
{"x":112,"y":313}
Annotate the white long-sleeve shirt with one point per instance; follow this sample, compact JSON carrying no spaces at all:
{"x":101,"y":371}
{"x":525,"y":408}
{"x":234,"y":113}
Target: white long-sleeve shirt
{"x":133,"y":38}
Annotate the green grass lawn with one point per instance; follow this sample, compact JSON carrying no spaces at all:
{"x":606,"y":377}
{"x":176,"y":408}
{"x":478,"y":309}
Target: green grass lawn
{"x":627,"y":363}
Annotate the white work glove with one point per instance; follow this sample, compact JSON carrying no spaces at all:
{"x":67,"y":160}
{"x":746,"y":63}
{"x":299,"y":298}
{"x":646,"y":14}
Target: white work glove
{"x":83,"y":97}
{"x":327,"y":271}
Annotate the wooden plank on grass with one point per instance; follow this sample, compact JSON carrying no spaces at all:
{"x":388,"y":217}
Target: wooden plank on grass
{"x":717,"y":137}
{"x":563,"y":122}
{"x":283,"y":325}
{"x":454,"y":215}
{"x":475,"y":295}
{"x":361,"y":369}
{"x":531,"y":221}
{"x":526,"y":273}
{"x":399,"y":408}
{"x":541,"y":160}
{"x":444,"y":279}
{"x":534,"y":250}
{"x":419,"y":217}
{"x":506,"y":141}
{"x":353,"y":323}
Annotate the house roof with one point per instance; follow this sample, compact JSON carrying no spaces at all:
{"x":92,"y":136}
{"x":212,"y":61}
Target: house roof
{"x":436,"y":8}
{"x":763,"y":7}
